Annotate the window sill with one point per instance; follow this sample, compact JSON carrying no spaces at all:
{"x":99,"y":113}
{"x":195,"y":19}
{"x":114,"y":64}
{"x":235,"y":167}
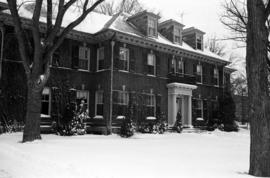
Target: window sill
{"x":98,"y":117}
{"x":45,"y":116}
{"x":83,"y":70}
{"x":101,"y":70}
{"x":151,"y":118}
{"x":126,"y":71}
{"x":149,"y":75}
{"x":121,"y":117}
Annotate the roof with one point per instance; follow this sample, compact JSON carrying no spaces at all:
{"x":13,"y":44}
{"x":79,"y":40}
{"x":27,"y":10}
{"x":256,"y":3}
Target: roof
{"x":95,"y":23}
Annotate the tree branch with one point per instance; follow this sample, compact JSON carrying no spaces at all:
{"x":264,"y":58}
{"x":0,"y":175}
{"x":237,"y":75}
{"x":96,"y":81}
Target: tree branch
{"x":19,"y":34}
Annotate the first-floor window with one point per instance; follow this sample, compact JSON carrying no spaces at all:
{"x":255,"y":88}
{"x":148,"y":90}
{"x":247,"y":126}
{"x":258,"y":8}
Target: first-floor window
{"x":82,"y":98}
{"x":150,"y":104}
{"x":151,"y":64}
{"x":99,"y":103}
{"x":45,"y":101}
{"x":199,"y":108}
{"x":120,"y":103}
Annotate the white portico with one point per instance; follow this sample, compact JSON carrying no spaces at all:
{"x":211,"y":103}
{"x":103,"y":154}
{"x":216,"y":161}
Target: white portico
{"x":180,"y":99}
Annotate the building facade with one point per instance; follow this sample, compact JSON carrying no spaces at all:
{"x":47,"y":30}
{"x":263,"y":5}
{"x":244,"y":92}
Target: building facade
{"x":127,"y":65}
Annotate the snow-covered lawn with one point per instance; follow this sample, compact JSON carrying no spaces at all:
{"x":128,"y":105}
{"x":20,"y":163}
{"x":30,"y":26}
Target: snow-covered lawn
{"x":197,"y":155}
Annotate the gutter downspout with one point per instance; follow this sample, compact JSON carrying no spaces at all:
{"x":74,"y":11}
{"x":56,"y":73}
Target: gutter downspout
{"x":2,"y":48}
{"x":111,"y":88}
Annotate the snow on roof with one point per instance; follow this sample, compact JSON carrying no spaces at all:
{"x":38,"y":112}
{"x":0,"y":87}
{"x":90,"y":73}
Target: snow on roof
{"x":96,"y":22}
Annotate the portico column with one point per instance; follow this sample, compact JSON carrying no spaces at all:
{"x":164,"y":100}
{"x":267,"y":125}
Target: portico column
{"x":172,"y":109}
{"x":189,"y":111}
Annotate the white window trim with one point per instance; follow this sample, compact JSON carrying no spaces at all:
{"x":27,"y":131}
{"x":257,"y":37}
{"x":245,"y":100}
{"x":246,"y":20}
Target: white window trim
{"x":198,"y":37}
{"x":98,"y":58}
{"x":155,"y":27}
{"x":88,"y":59}
{"x":50,"y":99}
{"x":125,"y":49}
{"x":96,"y":98}
{"x":177,"y":35}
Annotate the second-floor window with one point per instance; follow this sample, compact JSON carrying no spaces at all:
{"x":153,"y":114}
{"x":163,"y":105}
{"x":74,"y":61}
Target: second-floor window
{"x":124,"y":59}
{"x":152,"y":27}
{"x":199,"y":73}
{"x":173,"y":65}
{"x":84,"y":58}
{"x":177,"y":35}
{"x":100,"y":58}
{"x":216,"y":76}
{"x":180,"y":67}
{"x":151,"y":64}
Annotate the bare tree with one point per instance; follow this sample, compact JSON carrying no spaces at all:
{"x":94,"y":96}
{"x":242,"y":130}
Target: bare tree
{"x":259,"y":101}
{"x":127,"y":6}
{"x":215,"y":46}
{"x":36,"y":56}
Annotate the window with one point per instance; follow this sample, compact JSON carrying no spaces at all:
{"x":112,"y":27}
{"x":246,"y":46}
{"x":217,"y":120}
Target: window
{"x":120,"y":103}
{"x":199,"y":108}
{"x":216,"y":76}
{"x":152,"y":27}
{"x":84,"y":58}
{"x":99,"y":103}
{"x":122,"y":97}
{"x":199,"y":73}
{"x":173,"y":65}
{"x":180,"y":67}
{"x":150,"y":102}
{"x":82,"y":99}
{"x":124,"y":59}
{"x":199,"y":42}
{"x":177,"y":35}
{"x":45,"y":101}
{"x":151,"y":64}
{"x":100,"y":58}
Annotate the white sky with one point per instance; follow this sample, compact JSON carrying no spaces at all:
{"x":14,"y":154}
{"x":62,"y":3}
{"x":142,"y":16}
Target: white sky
{"x":202,"y":14}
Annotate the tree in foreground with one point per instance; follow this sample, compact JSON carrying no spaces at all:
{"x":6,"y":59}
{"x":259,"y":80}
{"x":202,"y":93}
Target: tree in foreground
{"x":257,"y":41}
{"x":36,"y":56}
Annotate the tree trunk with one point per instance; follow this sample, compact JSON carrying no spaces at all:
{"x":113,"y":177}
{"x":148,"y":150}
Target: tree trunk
{"x":32,"y":123}
{"x":257,"y":37}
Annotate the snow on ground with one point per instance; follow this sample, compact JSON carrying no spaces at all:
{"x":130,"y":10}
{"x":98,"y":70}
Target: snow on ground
{"x":197,"y":155}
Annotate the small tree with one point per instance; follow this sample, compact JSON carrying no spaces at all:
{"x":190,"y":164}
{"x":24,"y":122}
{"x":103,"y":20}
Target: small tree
{"x":36,"y":56}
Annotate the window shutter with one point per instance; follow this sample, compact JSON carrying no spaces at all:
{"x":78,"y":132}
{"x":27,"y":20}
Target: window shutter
{"x":115,"y":97}
{"x":220,"y":74}
{"x":194,"y":69}
{"x":75,"y":57}
{"x":132,"y":61}
{"x":116,"y":57}
{"x":144,"y":58}
{"x":158,"y":105}
{"x":158,"y":73}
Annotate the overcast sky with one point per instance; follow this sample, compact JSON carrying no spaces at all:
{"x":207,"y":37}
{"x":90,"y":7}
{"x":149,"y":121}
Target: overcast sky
{"x":203,"y":14}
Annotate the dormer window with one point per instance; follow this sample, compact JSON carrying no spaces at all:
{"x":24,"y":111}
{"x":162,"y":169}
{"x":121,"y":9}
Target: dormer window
{"x":199,"y":41}
{"x":177,"y":35}
{"x":152,"y":27}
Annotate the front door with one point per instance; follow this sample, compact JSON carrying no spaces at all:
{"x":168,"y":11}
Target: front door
{"x":179,"y":103}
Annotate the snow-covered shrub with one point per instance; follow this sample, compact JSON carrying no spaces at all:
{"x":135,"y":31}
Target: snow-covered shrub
{"x":76,"y":125}
{"x":127,"y":128}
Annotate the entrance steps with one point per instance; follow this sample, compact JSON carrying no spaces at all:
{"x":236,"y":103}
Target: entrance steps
{"x":187,"y":130}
